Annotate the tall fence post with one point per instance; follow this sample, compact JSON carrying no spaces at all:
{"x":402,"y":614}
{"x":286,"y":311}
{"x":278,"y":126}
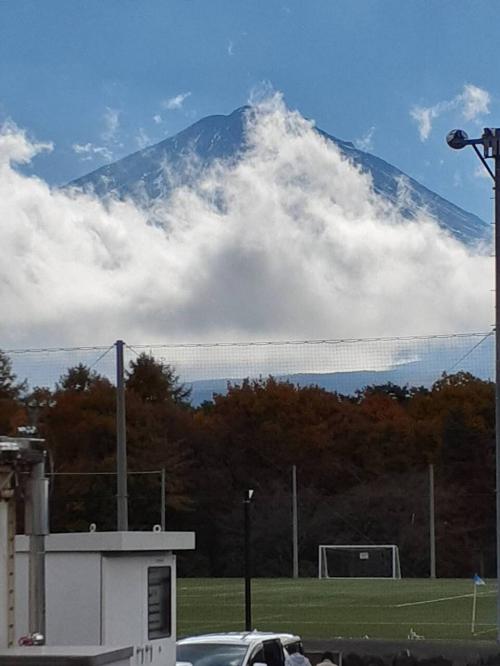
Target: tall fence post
{"x":295,"y":526}
{"x":432,"y":524}
{"x":121,"y":442}
{"x":163,"y":493}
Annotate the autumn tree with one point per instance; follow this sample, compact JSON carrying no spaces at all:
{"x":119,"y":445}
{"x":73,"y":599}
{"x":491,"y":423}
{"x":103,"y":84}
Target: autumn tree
{"x":361,"y":459}
{"x":362,"y":462}
{"x":159,"y":423}
{"x":12,"y":413}
{"x":37,"y":404}
{"x":80,"y":427}
{"x":250,"y":438}
{"x":461,"y":409}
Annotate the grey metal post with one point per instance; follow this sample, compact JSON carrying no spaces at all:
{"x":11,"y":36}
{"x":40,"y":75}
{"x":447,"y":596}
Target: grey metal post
{"x":432,"y":524}
{"x":490,"y":142}
{"x":7,"y":556}
{"x":121,"y":442}
{"x":496,"y":154}
{"x":37,"y":526}
{"x":295,"y":526}
{"x":247,"y":558}
{"x":163,"y":493}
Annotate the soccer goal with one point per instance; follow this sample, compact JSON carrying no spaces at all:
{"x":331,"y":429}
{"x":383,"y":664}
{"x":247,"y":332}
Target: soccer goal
{"x":373,"y":561}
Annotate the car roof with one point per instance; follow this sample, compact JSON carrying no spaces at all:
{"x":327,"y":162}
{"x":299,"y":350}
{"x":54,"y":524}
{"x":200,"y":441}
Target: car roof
{"x":239,"y":638}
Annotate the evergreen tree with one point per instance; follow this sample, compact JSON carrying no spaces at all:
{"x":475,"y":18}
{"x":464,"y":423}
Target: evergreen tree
{"x":9,"y":389}
{"x":156,"y":382}
{"x":78,"y":378}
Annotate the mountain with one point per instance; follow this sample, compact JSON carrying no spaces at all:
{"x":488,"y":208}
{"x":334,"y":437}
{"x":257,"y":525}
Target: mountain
{"x":346,"y":383}
{"x":422,"y":372}
{"x":143,"y":177}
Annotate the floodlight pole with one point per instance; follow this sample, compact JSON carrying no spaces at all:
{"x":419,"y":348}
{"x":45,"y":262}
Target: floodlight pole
{"x":497,"y":369}
{"x":248,"y":568}
{"x":121,"y":442}
{"x":490,"y":143}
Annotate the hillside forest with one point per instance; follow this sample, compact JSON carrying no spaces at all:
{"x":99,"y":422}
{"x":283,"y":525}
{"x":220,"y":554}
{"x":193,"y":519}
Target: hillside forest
{"x":362,"y":465}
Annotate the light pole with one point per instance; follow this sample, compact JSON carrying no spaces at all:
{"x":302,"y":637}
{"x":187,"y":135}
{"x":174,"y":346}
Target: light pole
{"x":121,"y":443}
{"x":490,"y":144}
{"x":248,"y":567}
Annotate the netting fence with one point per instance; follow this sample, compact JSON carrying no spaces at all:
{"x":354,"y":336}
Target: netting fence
{"x":390,"y":505}
{"x":337,"y":365}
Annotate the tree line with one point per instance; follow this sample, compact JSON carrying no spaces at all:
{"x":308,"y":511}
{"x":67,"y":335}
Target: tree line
{"x":362,"y":462}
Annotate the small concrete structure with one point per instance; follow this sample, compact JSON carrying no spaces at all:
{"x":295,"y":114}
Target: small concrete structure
{"x":108,"y":589}
{"x":66,"y":656}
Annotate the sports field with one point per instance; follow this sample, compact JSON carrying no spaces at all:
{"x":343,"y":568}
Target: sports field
{"x":349,"y":608}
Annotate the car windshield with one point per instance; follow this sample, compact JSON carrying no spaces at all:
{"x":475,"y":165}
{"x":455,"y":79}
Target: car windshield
{"x":211,"y":654}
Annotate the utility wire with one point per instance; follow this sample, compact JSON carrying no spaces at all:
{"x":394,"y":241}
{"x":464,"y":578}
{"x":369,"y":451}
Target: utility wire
{"x":101,"y":357}
{"x":134,"y":351}
{"x":325,"y":341}
{"x":468,"y":353}
{"x":51,"y":350}
{"x":267,"y":343}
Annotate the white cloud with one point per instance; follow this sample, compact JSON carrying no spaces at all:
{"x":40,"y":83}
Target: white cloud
{"x":16,"y":147}
{"x":260,"y":93}
{"x":109,"y":138}
{"x":423,"y":117}
{"x":88,"y":151}
{"x":176,"y":102}
{"x":298,"y":246}
{"x":111,"y":120}
{"x":143,"y":139}
{"x":157,"y":119}
{"x":476,"y":102}
{"x":365,"y":142}
{"x":472,"y":103}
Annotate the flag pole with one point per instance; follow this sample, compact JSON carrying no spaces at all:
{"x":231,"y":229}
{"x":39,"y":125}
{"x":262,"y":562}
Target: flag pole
{"x":474,"y":603}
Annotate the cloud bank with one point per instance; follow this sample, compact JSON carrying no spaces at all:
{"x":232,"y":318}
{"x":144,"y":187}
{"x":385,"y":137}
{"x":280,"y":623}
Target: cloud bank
{"x":473,"y":102}
{"x":289,"y":243}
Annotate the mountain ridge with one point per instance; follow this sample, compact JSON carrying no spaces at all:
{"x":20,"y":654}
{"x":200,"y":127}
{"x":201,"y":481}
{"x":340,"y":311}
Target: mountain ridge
{"x":153,"y":172}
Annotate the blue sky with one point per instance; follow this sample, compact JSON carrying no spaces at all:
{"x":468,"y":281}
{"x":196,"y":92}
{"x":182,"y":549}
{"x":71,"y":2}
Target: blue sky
{"x":101,"y":79}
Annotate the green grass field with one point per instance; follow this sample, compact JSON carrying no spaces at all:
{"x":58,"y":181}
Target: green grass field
{"x":349,"y":608}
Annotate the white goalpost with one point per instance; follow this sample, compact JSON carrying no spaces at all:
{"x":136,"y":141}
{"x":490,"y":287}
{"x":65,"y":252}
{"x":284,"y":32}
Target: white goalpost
{"x":359,"y":561}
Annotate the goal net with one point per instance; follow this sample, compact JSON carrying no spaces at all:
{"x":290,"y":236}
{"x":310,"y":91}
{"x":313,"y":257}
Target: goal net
{"x":373,"y":561}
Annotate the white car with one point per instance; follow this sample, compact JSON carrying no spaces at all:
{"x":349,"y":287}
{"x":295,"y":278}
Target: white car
{"x":236,"y":649}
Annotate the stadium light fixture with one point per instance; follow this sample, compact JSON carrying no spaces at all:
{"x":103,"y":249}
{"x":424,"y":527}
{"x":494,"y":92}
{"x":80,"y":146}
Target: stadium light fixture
{"x":247,"y":498}
{"x":489,"y":142}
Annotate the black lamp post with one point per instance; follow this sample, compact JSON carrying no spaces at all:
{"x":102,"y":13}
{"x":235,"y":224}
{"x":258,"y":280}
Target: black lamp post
{"x":490,"y":144}
{"x":248,"y":569}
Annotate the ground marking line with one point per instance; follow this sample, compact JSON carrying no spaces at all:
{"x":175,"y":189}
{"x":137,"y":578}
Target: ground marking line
{"x":279,"y":617}
{"x":329,"y":623}
{"x":485,"y":631}
{"x":433,"y":601}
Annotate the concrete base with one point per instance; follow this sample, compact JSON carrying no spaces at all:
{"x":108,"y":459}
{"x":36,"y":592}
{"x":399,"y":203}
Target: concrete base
{"x":66,"y":656}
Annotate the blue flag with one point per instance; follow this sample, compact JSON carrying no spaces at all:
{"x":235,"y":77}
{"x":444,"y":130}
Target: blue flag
{"x":478,"y":580}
